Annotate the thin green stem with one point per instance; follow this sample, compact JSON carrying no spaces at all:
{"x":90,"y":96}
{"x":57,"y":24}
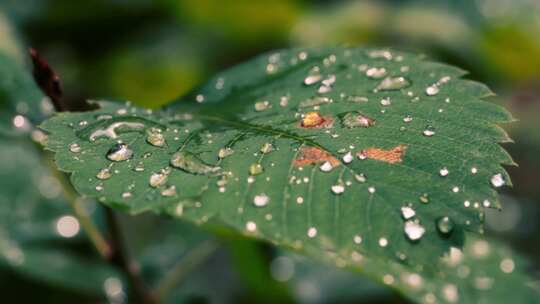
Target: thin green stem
{"x":88,"y":226}
{"x":184,"y":266}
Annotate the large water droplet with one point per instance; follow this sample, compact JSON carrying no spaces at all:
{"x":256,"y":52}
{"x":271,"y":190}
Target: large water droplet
{"x":111,"y":130}
{"x":357,"y":119}
{"x":413,"y":230}
{"x":393,"y":83}
{"x":445,"y":225}
{"x":192,"y":164}
{"x":119,"y":152}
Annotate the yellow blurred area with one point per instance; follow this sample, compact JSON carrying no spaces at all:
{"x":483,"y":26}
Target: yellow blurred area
{"x":513,"y":51}
{"x":152,"y":82}
{"x":243,"y":20}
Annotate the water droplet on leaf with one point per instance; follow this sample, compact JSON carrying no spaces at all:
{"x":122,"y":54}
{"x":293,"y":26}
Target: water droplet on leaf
{"x":393,"y":83}
{"x":445,"y":225}
{"x":119,"y":152}
{"x":414,"y":230}
{"x":497,"y":180}
{"x":192,"y":164}
{"x":357,"y":119}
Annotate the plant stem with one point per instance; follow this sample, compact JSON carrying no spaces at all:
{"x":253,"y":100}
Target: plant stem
{"x":121,"y":259}
{"x":94,"y":234}
{"x":112,"y":251}
{"x":184,"y":266}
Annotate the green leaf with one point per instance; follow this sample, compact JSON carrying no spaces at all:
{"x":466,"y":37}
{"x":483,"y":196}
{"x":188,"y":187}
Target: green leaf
{"x":325,"y":151}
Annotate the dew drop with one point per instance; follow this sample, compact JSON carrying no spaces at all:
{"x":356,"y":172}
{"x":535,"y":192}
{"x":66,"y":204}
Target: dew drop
{"x":192,"y":164}
{"x":104,"y":174}
{"x":357,"y":239}
{"x":386,"y":101}
{"x":414,"y":230}
{"x":75,"y":148}
{"x":376,"y":73}
{"x":371,"y":190}
{"x":169,"y":191}
{"x":158,"y":179}
{"x":361,"y":178}
{"x":432,"y":90}
{"x":267,"y":148}
{"x":383,"y":242}
{"x":393,"y":83}
{"x":312,"y":79}
{"x":357,"y":99}
{"x":119,"y":152}
{"x":424,"y":199}
{"x":450,"y":293}
{"x":312,"y":232}
{"x":326,"y":166}
{"x":357,"y":119}
{"x":507,"y":265}
{"x":224,"y":152}
{"x":338,"y":189}
{"x":443,"y":172}
{"x":407,"y":118}
{"x":262,"y":105}
{"x":255,"y":169}
{"x":155,"y":137}
{"x":347,"y":158}
{"x":261,"y":200}
{"x":407,"y":212}
{"x":445,"y":225}
{"x":497,"y":180}
{"x":429,"y":131}
{"x":315,"y":101}
{"x":251,"y":226}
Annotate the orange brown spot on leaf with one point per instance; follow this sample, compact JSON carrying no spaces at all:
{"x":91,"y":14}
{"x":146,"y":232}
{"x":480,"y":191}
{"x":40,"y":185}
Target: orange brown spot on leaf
{"x":314,"y":120}
{"x":391,"y":156}
{"x":313,"y":155}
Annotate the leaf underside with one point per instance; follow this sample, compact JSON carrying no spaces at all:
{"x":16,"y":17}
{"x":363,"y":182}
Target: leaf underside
{"x":374,"y":159}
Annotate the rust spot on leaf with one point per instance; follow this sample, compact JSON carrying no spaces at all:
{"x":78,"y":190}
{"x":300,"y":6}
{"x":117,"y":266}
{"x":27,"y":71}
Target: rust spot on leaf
{"x":391,"y":156}
{"x":314,"y":120}
{"x":313,"y":155}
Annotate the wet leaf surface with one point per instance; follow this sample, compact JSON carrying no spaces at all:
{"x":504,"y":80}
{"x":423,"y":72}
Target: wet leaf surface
{"x":334,"y":184}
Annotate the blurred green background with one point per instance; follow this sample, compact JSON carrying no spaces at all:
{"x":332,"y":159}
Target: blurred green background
{"x":150,"y":52}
